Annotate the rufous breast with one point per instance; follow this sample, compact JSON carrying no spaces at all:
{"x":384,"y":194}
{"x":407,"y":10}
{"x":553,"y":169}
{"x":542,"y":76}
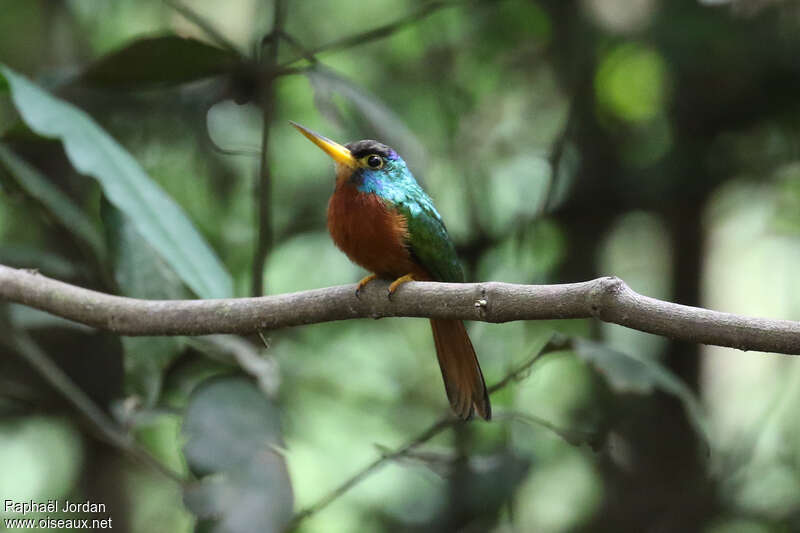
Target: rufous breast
{"x":371,"y":233}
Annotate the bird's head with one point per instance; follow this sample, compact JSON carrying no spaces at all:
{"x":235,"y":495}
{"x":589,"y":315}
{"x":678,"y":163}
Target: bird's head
{"x":364,"y":163}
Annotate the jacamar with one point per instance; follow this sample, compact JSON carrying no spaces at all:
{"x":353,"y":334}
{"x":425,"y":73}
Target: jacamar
{"x":382,"y":219}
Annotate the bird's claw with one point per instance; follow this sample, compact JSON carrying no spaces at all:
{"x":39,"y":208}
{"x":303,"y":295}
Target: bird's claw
{"x":399,"y":281}
{"x":363,"y":283}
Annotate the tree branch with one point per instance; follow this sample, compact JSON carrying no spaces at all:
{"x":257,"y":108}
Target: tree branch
{"x":608,"y":299}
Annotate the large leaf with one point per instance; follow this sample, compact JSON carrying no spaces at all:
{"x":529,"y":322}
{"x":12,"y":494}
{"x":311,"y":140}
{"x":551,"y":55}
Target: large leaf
{"x":52,"y":199}
{"x":141,"y":273}
{"x":233,"y":437}
{"x":159,"y":61}
{"x":155,"y":215}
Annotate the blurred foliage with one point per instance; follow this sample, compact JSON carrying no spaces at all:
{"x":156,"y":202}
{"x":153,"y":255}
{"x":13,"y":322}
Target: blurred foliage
{"x":232,"y":435}
{"x":658,"y":141}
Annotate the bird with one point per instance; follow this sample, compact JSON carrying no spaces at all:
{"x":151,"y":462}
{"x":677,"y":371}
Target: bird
{"x":383,"y":220}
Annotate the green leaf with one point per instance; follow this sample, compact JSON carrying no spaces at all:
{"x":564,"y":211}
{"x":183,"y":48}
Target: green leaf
{"x":141,"y":273}
{"x":139,"y":270}
{"x":625,"y":373}
{"x":159,"y":61}
{"x":233,"y":437}
{"x":52,"y":199}
{"x":154,"y":214}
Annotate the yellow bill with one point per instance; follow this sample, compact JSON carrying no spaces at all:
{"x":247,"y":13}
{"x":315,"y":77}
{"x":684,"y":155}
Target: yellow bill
{"x":339,"y":153}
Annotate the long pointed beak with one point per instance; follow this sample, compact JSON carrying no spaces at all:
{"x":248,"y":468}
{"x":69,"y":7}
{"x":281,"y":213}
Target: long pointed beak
{"x":339,"y":153}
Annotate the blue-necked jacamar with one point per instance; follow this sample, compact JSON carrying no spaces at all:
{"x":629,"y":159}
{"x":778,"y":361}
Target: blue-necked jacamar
{"x":382,"y":219}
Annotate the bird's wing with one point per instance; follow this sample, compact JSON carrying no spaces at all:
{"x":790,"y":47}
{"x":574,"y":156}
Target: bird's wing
{"x":428,"y":239}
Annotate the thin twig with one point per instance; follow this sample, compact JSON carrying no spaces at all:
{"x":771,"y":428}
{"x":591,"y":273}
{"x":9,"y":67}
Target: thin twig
{"x":380,"y":32}
{"x":556,"y":159}
{"x":434,"y":429}
{"x":519,"y":372}
{"x":575,"y":437}
{"x":264,"y":237}
{"x":304,"y":52}
{"x":198,"y":20}
{"x":107,"y":429}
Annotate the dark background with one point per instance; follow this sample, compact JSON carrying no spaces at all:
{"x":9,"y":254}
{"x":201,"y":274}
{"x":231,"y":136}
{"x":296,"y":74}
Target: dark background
{"x":658,"y":141}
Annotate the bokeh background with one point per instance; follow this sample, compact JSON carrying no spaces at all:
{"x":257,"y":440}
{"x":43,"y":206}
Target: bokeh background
{"x":654,"y":140}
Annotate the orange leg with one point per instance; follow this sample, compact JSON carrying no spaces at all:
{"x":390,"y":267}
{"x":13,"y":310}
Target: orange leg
{"x":399,"y":281}
{"x":363,"y":283}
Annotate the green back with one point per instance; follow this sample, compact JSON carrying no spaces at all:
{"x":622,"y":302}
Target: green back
{"x":429,"y":241}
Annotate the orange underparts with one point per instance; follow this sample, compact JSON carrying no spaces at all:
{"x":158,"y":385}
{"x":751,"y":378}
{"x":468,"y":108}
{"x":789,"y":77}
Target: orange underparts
{"x":374,"y":235}
{"x":371,"y":233}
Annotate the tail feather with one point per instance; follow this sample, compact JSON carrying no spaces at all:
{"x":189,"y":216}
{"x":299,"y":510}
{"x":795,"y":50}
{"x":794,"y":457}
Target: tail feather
{"x":461,"y":371}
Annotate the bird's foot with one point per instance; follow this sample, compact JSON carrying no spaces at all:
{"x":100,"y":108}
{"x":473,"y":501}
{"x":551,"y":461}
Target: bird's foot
{"x":363,"y":283}
{"x":399,"y":281}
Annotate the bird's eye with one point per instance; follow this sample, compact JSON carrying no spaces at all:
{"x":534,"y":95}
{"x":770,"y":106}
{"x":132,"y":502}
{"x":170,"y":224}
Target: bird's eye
{"x":375,"y":161}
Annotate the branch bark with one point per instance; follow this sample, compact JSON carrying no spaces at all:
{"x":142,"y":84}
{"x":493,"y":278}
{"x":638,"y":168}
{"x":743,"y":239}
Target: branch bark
{"x":608,"y":299}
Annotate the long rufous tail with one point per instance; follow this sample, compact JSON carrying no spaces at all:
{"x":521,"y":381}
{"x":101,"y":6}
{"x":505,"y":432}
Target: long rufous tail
{"x":461,"y":372}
